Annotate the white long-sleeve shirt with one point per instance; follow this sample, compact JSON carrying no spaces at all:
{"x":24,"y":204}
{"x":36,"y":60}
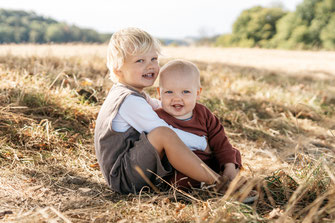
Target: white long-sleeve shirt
{"x":138,"y":113}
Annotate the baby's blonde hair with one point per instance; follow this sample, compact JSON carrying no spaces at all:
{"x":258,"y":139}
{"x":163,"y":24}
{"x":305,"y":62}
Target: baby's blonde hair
{"x":128,"y":41}
{"x":185,"y":66}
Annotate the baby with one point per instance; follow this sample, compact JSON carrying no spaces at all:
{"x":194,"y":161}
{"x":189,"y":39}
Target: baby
{"x":179,"y":89}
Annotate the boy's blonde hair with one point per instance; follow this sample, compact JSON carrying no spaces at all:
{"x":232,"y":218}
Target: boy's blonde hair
{"x":128,"y":41}
{"x":183,"y":66}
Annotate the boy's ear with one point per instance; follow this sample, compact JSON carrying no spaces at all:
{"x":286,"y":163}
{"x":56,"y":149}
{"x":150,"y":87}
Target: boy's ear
{"x":159,"y":93}
{"x":117,"y":72}
{"x":198,"y":93}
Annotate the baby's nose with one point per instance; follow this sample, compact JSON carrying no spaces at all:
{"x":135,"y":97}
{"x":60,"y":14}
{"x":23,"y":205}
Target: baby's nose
{"x":177,"y":97}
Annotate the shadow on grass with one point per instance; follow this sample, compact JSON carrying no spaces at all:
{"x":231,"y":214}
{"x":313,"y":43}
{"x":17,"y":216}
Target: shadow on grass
{"x":34,"y":110}
{"x":60,"y":181}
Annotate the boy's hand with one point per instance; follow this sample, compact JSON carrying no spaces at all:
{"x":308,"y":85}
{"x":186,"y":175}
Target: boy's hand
{"x":230,"y":170}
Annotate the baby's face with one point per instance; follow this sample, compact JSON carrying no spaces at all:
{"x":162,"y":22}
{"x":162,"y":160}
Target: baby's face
{"x":179,"y":93}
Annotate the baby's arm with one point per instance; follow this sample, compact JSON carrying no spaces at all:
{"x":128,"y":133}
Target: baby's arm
{"x":139,"y":114}
{"x":228,"y":157}
{"x":153,"y":102}
{"x":230,"y":170}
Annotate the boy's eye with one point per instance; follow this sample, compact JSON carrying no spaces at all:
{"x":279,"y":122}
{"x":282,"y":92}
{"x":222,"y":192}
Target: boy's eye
{"x":139,"y":61}
{"x":168,"y":92}
{"x":186,"y":92}
{"x":154,"y":59}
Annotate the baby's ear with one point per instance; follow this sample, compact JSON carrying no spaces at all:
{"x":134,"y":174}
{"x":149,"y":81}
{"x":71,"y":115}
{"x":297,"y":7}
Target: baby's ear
{"x":159,"y":93}
{"x":198,"y":93}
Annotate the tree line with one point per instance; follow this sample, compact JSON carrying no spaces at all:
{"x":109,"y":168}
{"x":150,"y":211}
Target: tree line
{"x":310,"y":26}
{"x":18,"y":26}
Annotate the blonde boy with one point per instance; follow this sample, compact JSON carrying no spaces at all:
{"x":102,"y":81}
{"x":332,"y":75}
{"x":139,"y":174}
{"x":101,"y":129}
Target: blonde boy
{"x":179,"y":89}
{"x":129,"y":133}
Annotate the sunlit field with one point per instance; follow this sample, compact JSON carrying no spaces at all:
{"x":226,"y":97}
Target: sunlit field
{"x":277,"y":107}
{"x":319,"y":63}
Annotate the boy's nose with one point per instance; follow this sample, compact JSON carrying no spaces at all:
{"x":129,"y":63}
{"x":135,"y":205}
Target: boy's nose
{"x":150,"y":65}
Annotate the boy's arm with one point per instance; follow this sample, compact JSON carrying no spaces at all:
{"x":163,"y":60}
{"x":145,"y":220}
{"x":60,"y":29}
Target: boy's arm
{"x":139,"y":114}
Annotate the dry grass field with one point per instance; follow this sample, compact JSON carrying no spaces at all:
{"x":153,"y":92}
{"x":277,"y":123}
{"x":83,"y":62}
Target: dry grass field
{"x":278,"y":109}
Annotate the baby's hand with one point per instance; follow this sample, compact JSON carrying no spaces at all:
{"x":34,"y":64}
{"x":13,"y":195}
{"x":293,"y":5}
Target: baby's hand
{"x":208,"y":150}
{"x":230,"y":171}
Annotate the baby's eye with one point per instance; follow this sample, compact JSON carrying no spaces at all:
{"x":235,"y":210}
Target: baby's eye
{"x":186,"y":92}
{"x":168,"y":92}
{"x":154,"y":59}
{"x":140,"y":61}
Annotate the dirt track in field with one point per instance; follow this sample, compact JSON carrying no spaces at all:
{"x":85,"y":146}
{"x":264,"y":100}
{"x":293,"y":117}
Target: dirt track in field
{"x":321,"y":64}
{"x":315,"y":63}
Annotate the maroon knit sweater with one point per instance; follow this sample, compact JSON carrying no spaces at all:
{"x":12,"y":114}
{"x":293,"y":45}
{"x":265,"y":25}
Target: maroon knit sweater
{"x":205,"y":123}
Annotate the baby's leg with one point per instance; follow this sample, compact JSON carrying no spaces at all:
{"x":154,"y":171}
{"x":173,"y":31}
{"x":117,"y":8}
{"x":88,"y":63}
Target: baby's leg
{"x":166,"y":141}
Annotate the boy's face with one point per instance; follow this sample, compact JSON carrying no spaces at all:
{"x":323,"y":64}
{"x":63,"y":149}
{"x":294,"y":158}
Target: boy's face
{"x":179,"y":93}
{"x":139,"y":71}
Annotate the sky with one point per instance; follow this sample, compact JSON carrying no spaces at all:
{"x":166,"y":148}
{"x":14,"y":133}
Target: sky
{"x":175,"y":19}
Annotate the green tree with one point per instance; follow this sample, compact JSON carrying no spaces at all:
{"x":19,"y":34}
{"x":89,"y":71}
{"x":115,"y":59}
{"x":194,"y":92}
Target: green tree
{"x":305,"y":10}
{"x":20,"y":26}
{"x":6,"y":34}
{"x":285,"y":27}
{"x":307,"y":27}
{"x":55,"y":33}
{"x":37,"y":31}
{"x":21,"y":34}
{"x":90,"y":35}
{"x":254,"y":27}
{"x":327,"y":35}
{"x":224,"y":40}
{"x":311,"y":26}
{"x":75,"y":34}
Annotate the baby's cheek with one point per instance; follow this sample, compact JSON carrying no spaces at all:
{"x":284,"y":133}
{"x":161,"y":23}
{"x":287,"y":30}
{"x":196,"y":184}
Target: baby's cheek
{"x":164,"y":102}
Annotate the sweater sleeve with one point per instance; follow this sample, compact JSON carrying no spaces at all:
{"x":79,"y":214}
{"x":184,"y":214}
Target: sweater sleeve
{"x":155,"y":103}
{"x":223,"y":151}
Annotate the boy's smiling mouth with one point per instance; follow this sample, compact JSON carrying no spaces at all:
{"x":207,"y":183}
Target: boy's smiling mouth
{"x":148,"y":75}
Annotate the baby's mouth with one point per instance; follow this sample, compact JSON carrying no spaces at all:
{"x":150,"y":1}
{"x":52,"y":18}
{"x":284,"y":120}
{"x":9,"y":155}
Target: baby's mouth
{"x":177,"y":107}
